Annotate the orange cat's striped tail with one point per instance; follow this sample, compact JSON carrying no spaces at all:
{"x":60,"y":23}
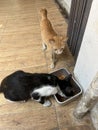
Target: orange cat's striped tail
{"x":43,"y":13}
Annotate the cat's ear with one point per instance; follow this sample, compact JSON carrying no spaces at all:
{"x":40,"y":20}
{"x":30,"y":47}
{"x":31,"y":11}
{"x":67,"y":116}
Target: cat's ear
{"x":51,"y":41}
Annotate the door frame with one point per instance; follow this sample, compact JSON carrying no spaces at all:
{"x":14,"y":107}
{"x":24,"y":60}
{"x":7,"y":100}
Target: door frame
{"x":78,"y":17}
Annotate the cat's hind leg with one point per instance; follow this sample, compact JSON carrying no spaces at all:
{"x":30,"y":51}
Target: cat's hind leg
{"x":53,"y":60}
{"x":40,"y":99}
{"x":45,"y":102}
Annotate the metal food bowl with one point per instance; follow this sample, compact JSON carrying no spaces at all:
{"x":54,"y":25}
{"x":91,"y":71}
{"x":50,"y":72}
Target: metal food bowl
{"x":61,"y":74}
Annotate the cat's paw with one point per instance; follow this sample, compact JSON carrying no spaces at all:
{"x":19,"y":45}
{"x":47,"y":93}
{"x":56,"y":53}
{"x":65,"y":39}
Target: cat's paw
{"x":61,"y":93}
{"x":44,"y":47}
{"x":47,"y":103}
{"x":52,"y":66}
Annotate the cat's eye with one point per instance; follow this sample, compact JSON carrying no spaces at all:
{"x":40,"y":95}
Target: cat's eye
{"x":55,"y":49}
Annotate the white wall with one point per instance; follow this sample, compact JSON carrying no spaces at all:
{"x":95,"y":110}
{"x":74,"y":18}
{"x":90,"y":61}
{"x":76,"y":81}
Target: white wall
{"x":65,"y":4}
{"x":87,"y":62}
{"x":68,"y":4}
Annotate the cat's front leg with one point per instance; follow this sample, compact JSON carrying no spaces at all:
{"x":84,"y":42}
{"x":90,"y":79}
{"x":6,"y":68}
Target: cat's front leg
{"x":60,"y":92}
{"x":52,"y":66}
{"x":53,"y":58}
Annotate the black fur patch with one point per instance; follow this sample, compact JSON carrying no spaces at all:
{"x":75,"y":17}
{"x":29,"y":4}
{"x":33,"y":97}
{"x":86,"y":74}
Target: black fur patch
{"x":18,"y":85}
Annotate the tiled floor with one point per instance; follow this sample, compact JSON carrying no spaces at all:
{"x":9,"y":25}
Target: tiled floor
{"x":21,"y":48}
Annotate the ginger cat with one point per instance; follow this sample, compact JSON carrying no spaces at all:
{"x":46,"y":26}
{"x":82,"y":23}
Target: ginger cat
{"x":50,"y":38}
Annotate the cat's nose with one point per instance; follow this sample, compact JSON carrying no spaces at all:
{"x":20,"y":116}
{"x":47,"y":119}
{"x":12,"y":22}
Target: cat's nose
{"x":59,"y":52}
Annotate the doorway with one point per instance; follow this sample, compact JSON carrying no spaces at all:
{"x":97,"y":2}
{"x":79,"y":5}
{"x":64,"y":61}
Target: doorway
{"x":77,"y":23}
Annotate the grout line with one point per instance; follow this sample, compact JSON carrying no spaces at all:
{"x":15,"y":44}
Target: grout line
{"x":58,"y":125}
{"x":26,"y":67}
{"x":47,"y":70}
{"x":40,"y":34}
{"x":4,"y":29}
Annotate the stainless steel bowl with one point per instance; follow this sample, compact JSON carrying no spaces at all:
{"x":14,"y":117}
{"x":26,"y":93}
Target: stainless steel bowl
{"x":62,"y":73}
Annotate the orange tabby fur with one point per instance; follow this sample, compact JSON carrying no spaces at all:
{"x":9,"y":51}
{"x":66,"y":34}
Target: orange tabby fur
{"x":50,"y":38}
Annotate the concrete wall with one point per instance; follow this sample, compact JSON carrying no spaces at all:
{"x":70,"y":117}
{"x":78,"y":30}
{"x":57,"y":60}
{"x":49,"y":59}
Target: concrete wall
{"x":65,"y":4}
{"x":87,"y":61}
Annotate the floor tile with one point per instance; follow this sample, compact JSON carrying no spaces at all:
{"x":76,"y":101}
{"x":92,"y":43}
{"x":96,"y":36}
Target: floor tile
{"x":81,"y":127}
{"x":27,"y":118}
{"x":66,"y":118}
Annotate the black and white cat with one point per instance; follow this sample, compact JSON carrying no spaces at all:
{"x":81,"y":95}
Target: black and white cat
{"x":21,"y":86}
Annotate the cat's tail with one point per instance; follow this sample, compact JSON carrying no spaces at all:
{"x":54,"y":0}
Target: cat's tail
{"x":43,"y":12}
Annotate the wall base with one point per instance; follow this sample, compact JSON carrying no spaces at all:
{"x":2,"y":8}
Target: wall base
{"x":64,"y":6}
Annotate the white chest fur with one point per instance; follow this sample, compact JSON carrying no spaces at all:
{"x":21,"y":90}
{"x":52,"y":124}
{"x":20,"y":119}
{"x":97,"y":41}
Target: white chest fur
{"x":46,"y":90}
